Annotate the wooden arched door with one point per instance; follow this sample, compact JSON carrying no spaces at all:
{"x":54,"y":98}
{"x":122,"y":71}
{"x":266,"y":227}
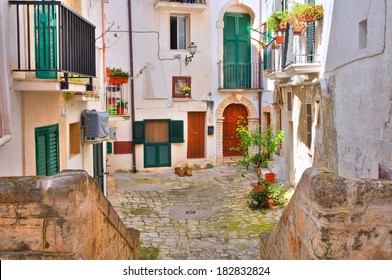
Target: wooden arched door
{"x":231,"y":115}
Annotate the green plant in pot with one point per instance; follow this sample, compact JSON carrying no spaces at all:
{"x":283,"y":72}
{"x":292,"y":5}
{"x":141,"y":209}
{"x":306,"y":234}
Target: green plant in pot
{"x":117,"y":76}
{"x":121,"y":106}
{"x":278,"y":21}
{"x":256,"y":148}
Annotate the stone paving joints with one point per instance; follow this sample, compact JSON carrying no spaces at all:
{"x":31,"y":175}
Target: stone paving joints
{"x":201,"y":217}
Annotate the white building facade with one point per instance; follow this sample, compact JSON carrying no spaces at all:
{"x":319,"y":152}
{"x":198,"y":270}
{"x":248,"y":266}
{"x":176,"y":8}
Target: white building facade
{"x":168,"y":128}
{"x":332,"y":90}
{"x":51,"y":59}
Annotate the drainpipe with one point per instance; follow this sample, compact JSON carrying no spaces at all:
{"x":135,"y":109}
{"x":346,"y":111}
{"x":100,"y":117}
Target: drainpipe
{"x":103,"y":41}
{"x":132,"y":82}
{"x":261,"y":63}
{"x":5,"y":104}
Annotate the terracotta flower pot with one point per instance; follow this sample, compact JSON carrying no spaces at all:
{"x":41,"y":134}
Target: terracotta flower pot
{"x":188,"y":172}
{"x":118,"y":80}
{"x":181,"y":172}
{"x":270,"y":177}
{"x":279,"y":39}
{"x":176,"y":169}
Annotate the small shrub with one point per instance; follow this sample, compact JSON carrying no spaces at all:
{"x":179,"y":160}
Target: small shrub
{"x":270,"y":195}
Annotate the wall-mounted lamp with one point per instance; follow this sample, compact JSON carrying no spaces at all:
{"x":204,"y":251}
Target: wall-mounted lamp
{"x":192,"y":50}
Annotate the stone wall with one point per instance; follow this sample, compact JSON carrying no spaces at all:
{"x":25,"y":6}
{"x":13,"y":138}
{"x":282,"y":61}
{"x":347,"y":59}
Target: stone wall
{"x":61,"y":217}
{"x":332,"y":217}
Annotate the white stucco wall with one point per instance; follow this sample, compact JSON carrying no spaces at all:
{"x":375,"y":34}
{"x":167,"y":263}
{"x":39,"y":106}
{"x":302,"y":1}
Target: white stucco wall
{"x":11,"y":157}
{"x":153,"y":89}
{"x":360,"y":79}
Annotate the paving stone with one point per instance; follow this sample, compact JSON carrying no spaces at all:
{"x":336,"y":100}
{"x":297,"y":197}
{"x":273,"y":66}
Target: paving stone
{"x":204,"y":216}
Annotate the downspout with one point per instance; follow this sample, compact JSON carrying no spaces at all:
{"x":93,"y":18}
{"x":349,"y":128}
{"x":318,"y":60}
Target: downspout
{"x":5,"y":109}
{"x":103,"y":42}
{"x":261,"y":63}
{"x":132,"y":82}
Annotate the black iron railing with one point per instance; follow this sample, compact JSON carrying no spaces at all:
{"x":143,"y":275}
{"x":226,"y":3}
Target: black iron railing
{"x":240,"y":75}
{"x":51,"y":38}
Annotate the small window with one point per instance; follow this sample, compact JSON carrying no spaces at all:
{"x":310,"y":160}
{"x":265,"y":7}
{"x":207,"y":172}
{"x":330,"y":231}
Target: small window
{"x":362,"y":43}
{"x":178,"y":84}
{"x":317,"y":113}
{"x":157,"y":131}
{"x":179,"y":30}
{"x":74,"y":139}
{"x":309,"y":125}
{"x":289,"y":102}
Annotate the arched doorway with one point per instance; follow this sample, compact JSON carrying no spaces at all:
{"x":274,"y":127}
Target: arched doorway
{"x":231,"y":115}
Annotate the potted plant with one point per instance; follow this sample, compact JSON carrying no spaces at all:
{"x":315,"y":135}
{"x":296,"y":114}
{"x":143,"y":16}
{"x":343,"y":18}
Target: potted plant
{"x":278,"y":21}
{"x":121,"y":105}
{"x":181,"y":172}
{"x":270,"y":176}
{"x":186,"y":90}
{"x":308,"y":12}
{"x":256,"y":147}
{"x":117,"y":76}
{"x":269,"y":196}
{"x":188,"y":171}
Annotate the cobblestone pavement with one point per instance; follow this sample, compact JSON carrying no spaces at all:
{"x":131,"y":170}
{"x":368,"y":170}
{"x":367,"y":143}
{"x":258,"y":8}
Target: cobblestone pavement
{"x":202,"y":217}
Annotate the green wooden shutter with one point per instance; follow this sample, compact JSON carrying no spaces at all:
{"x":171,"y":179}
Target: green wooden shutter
{"x":310,"y":39}
{"x":138,"y":132}
{"x":46,"y":42}
{"x":236,"y":57}
{"x":47,"y":150}
{"x":176,"y":131}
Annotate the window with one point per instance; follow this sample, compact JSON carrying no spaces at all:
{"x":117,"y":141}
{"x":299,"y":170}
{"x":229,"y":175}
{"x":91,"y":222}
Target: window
{"x":157,"y":131}
{"x":236,"y":51}
{"x":289,"y":102}
{"x":74,"y":139}
{"x":317,"y":113}
{"x":309,"y":124}
{"x":363,"y":34}
{"x":47,"y":150}
{"x":179,"y":30}
{"x":178,"y":83}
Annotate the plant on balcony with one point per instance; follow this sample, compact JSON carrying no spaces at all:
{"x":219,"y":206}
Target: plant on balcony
{"x":117,"y":76}
{"x":304,"y":13}
{"x":308,"y":12}
{"x":120,"y":106}
{"x":278,"y":21}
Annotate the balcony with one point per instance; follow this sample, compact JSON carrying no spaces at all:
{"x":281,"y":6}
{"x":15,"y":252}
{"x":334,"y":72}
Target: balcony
{"x":181,"y":5}
{"x":273,"y":61}
{"x":53,"y":41}
{"x":303,"y":64}
{"x":239,"y":76}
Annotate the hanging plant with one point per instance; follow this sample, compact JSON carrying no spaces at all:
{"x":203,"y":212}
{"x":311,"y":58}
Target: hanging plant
{"x":307,"y":12}
{"x":278,"y":21}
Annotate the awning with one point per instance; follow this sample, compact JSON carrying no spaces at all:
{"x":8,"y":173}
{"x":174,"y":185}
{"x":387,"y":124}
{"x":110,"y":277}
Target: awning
{"x":5,"y":110}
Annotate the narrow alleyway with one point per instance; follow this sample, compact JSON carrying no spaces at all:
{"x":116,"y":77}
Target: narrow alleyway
{"x":200,"y":217}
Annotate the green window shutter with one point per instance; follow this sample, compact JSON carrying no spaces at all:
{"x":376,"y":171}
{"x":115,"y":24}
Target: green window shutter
{"x":176,"y":131}
{"x":310,"y":38}
{"x":138,"y":132}
{"x":47,"y":150}
{"x":40,"y":143}
{"x":236,"y":54}
{"x":46,"y":42}
{"x":310,"y":43}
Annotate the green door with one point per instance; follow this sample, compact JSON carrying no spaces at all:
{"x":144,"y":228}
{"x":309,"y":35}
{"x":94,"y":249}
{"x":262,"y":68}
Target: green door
{"x":236,"y":57}
{"x":98,"y":164}
{"x":47,"y":150}
{"x":46,"y":41}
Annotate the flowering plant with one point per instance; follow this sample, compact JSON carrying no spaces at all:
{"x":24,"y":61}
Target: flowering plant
{"x":186,"y":90}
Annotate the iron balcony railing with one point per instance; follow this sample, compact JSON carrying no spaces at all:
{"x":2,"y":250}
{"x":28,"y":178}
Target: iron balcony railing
{"x":51,"y":38}
{"x":239,"y":75}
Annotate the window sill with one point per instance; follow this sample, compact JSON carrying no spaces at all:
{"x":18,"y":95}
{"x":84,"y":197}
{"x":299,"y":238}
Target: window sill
{"x":182,"y":7}
{"x":182,"y":99}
